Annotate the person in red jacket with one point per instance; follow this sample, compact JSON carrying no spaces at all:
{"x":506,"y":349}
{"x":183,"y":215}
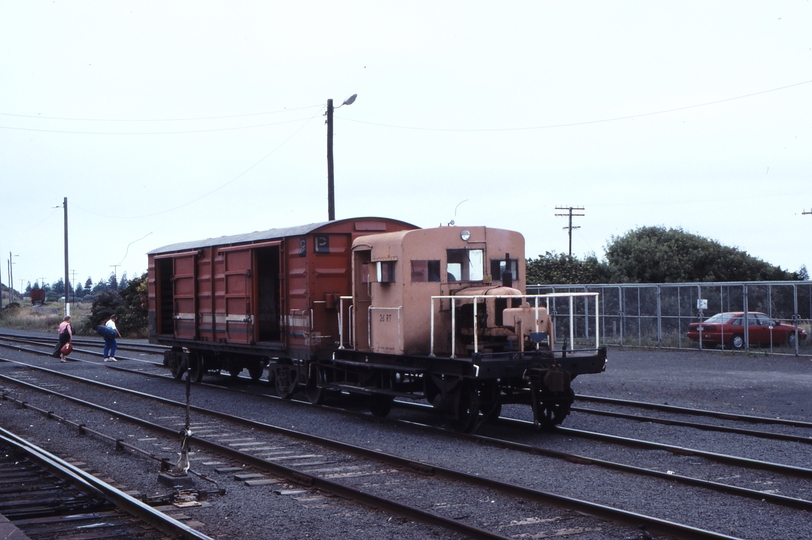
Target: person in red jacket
{"x":65,"y":336}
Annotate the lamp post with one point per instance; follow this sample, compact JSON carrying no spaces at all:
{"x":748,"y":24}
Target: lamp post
{"x":331,"y":202}
{"x":67,"y":296}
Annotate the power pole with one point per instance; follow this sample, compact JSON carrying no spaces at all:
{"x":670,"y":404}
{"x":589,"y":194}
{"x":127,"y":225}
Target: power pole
{"x":331,"y":199}
{"x":115,"y":273}
{"x":570,"y":214}
{"x":331,"y":208}
{"x":67,"y":297}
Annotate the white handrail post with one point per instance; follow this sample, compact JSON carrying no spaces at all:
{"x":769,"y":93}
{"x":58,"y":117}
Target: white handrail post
{"x":476,"y":341}
{"x":572,"y":325}
{"x":597,"y":322}
{"x":453,"y":328}
{"x":431,"y":318}
{"x":340,"y":322}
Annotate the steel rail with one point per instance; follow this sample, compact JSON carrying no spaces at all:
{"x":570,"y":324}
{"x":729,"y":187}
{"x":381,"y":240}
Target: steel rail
{"x":681,"y":450}
{"x":789,"y":470}
{"x":92,"y":485}
{"x":696,"y":482}
{"x":725,"y":488}
{"x":82,"y":429}
{"x":696,"y":412}
{"x":290,"y":474}
{"x":697,"y":425}
{"x":782,"y":500}
{"x":616,"y":515}
{"x":46,"y":342}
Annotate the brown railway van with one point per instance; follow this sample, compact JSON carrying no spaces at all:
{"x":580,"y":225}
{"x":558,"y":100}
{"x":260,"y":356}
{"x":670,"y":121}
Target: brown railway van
{"x":235,"y":302}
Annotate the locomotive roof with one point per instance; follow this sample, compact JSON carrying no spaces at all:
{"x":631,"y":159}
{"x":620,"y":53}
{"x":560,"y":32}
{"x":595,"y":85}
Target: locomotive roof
{"x":259,"y":236}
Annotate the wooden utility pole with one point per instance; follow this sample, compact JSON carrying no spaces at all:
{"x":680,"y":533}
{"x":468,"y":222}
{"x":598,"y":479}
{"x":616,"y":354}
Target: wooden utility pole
{"x":570,"y":214}
{"x":67,"y":283}
{"x":331,"y":200}
{"x":331,"y":208}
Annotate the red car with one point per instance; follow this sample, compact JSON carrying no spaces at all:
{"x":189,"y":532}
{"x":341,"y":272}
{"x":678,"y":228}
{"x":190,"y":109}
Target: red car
{"x":728,"y":329}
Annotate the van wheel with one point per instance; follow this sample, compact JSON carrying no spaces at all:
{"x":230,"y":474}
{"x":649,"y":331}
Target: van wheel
{"x":198,"y":368}
{"x":255,"y":370}
{"x":380,"y":405}
{"x":314,"y":387}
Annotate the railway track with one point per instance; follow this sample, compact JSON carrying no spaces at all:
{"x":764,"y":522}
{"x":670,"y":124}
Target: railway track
{"x":87,"y":345}
{"x":664,"y":475}
{"x":691,"y":411}
{"x":60,"y":499}
{"x":352,"y":464}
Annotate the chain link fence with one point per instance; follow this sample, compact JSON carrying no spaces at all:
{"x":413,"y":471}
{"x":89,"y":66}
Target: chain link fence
{"x":658,"y":315}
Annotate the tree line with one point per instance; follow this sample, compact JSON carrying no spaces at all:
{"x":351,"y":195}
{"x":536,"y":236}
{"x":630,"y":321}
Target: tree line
{"x":88,"y":291}
{"x":657,"y":255}
{"x":126,"y":298}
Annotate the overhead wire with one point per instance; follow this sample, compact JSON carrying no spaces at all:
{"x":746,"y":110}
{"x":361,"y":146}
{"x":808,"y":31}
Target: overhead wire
{"x":40,"y":117}
{"x":221,"y":186}
{"x":178,"y":132}
{"x":584,"y":122}
{"x":379,"y":124}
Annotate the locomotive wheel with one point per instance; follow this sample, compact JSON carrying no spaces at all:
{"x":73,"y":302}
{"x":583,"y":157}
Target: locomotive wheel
{"x":430,"y":391}
{"x":315,"y":378}
{"x":551,"y":414}
{"x":489,"y":403}
{"x":467,"y":409}
{"x":380,"y":405}
{"x":255,"y":370}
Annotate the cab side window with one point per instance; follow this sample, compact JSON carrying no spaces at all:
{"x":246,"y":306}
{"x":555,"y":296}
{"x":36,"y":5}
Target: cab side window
{"x":425,"y":271}
{"x":500,"y":266}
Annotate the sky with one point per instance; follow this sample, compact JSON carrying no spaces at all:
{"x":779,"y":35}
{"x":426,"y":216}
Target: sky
{"x":165,"y":122}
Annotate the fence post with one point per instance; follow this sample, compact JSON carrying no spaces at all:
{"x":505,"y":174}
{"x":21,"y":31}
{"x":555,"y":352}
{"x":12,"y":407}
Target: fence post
{"x":659,"y":319}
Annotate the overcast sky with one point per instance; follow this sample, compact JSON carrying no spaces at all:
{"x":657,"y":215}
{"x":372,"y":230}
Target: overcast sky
{"x":164,"y":122}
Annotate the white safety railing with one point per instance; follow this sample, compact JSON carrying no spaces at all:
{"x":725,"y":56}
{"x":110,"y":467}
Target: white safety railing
{"x":536,"y":299}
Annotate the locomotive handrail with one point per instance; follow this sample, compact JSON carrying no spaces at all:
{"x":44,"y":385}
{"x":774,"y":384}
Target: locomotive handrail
{"x":535,"y":297}
{"x":341,"y":300}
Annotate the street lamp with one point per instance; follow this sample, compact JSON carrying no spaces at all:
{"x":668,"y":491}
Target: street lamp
{"x":67,"y":297}
{"x":331,"y":202}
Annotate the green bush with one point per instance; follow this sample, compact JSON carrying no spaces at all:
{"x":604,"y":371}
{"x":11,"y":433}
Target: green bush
{"x":129,"y":305}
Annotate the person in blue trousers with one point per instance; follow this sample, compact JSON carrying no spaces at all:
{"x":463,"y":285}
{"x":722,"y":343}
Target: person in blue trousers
{"x":110,"y":335}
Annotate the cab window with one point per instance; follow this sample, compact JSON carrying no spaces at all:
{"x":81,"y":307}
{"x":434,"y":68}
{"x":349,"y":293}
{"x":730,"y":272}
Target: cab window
{"x":465,"y":264}
{"x":425,"y":271}
{"x":499,"y":266}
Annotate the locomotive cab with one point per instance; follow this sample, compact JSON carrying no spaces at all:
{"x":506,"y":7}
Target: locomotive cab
{"x":405,"y":284}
